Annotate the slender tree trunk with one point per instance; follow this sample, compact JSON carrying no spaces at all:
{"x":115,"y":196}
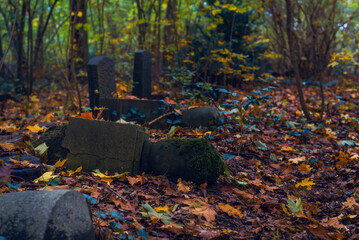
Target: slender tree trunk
{"x":80,"y":40}
{"x":294,"y":60}
{"x":20,"y":49}
{"x":158,"y":62}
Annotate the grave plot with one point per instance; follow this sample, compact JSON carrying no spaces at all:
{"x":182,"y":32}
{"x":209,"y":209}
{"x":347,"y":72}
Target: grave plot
{"x":102,"y":86}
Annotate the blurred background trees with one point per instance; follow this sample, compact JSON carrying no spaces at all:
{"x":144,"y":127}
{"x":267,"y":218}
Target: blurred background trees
{"x":223,"y":42}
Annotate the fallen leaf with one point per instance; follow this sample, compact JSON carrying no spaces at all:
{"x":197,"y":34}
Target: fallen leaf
{"x":306,"y":183}
{"x":231,"y":211}
{"x":287,"y":149}
{"x":181,"y":187}
{"x":46,"y":177}
{"x":60,"y":163}
{"x":7,"y":147}
{"x":161,"y":209}
{"x":304,"y":168}
{"x":295,"y":207}
{"x":35,"y":128}
{"x":350,"y":203}
{"x":297,"y":160}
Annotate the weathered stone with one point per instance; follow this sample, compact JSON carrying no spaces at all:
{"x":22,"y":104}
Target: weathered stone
{"x":108,"y":146}
{"x":101,"y":79}
{"x":142,"y":74}
{"x":190,"y":159}
{"x":141,"y":111}
{"x":43,"y":215}
{"x":202,"y":116}
{"x":53,"y":138}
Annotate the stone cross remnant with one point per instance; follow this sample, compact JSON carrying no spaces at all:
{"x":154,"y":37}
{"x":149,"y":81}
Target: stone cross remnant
{"x":142,"y":74}
{"x":101,"y":79}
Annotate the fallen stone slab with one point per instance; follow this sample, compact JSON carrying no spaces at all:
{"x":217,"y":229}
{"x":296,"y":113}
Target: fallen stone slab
{"x":141,"y":111}
{"x":107,"y":146}
{"x":43,"y":215}
{"x":120,"y":147}
{"x":190,"y":159}
{"x":202,"y":116}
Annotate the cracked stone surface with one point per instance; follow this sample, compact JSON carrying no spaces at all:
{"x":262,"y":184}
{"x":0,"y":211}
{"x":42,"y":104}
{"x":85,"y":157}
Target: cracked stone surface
{"x":107,"y":146}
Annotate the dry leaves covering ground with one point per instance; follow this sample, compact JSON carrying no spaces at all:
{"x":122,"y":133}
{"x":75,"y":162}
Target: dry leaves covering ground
{"x":293,"y":179}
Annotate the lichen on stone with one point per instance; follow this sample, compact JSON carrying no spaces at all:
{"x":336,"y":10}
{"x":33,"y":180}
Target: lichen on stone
{"x":205,"y":161}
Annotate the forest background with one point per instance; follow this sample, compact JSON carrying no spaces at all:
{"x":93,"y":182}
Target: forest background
{"x":48,"y":43}
{"x":289,"y":124}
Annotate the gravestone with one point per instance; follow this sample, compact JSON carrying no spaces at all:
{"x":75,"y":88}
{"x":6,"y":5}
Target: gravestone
{"x":107,"y":146}
{"x":118,"y":147}
{"x":142,"y":74}
{"x":101,"y":79}
{"x":45,"y":215}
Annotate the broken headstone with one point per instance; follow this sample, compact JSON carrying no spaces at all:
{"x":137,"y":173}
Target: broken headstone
{"x":107,"y":146}
{"x":53,"y":138}
{"x":58,"y":214}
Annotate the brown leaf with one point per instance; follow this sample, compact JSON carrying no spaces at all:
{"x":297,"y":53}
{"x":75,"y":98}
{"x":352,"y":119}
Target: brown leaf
{"x":7,"y":147}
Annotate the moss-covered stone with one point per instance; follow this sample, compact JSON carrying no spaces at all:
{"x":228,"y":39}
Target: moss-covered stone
{"x":190,"y":159}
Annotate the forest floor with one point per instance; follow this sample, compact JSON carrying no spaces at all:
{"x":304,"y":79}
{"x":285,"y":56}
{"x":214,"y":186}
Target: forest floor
{"x":295,"y":179}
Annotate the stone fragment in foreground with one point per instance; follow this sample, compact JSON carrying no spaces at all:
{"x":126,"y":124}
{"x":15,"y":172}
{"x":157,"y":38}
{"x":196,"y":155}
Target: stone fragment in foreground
{"x":43,"y":215}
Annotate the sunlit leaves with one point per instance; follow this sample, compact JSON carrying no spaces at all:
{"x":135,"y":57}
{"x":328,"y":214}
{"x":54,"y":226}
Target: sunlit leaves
{"x":306,"y":184}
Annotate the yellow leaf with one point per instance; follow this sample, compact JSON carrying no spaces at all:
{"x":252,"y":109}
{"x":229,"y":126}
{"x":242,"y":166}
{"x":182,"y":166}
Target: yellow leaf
{"x":12,"y":129}
{"x":178,"y":111}
{"x":60,"y":163}
{"x":35,"y":128}
{"x":287,"y":149}
{"x":51,"y":188}
{"x":231,"y":211}
{"x":46,"y":177}
{"x":161,"y":209}
{"x":304,"y":168}
{"x":297,"y":160}
{"x":306,"y":183}
{"x":77,"y":170}
{"x":183,"y":188}
{"x":7,"y":147}
{"x":79,"y":14}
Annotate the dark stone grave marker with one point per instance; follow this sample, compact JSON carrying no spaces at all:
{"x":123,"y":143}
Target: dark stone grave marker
{"x":101,"y":78}
{"x":142,"y":74}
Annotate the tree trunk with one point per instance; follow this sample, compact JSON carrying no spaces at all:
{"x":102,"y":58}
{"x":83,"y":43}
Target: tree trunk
{"x":294,"y":60}
{"x":80,"y":46}
{"x":20,"y":87}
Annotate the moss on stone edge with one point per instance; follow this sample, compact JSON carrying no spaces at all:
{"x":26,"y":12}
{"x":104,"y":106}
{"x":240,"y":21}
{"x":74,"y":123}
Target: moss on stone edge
{"x":204,"y":159}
